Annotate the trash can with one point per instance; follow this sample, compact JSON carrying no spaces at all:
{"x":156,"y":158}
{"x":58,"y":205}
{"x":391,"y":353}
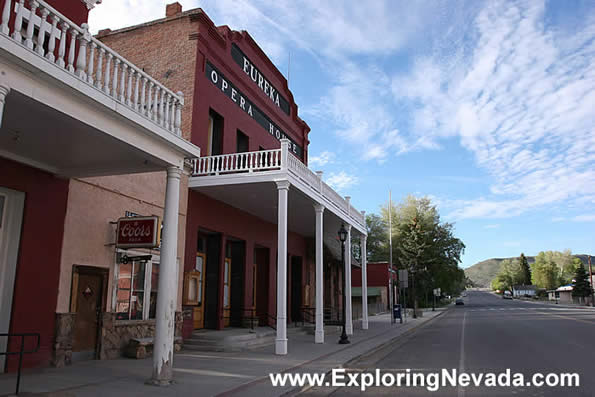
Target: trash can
{"x":397,"y":311}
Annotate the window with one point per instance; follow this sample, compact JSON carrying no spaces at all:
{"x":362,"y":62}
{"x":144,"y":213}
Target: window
{"x":131,"y":288}
{"x":199,"y":267}
{"x":154,"y":288}
{"x":215,"y":138}
{"x":242,"y":142}
{"x":137,"y":285}
{"x":226,"y":280}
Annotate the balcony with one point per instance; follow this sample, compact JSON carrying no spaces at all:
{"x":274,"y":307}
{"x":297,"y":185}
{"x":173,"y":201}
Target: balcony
{"x":74,"y":107}
{"x":247,"y":181}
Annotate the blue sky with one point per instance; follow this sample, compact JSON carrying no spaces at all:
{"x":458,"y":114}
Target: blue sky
{"x":486,"y":107}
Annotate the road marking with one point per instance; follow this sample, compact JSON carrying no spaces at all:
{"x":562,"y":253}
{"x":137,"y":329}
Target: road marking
{"x":461,"y":390}
{"x":568,"y":318}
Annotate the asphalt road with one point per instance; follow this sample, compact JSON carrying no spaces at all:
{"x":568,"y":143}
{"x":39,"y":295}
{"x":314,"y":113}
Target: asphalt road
{"x":490,"y":334}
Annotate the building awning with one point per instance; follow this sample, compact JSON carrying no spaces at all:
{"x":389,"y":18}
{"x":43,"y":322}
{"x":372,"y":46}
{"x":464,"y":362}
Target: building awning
{"x":372,"y":291}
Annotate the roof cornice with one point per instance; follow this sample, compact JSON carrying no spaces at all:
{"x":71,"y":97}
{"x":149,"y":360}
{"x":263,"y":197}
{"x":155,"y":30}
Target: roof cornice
{"x":91,"y":3}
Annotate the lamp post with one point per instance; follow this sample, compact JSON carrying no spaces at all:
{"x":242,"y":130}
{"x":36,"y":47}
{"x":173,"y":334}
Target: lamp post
{"x":343,"y":236}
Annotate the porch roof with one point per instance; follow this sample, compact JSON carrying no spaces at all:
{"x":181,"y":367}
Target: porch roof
{"x":247,"y":181}
{"x":88,"y":112}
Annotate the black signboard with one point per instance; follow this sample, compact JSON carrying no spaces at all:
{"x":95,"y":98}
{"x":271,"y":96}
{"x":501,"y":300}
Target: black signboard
{"x":258,"y":78}
{"x":248,"y":106}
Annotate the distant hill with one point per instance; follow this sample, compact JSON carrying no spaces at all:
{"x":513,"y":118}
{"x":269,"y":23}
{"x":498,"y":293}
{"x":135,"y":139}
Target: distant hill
{"x":482,"y":273}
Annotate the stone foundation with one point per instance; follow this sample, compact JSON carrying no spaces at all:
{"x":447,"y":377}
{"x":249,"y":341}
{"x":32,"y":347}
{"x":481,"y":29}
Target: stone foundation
{"x":63,"y":333}
{"x":116,"y":334}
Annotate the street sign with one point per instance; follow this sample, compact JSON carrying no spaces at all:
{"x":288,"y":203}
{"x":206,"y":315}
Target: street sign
{"x":403,"y":278}
{"x":437,"y":292}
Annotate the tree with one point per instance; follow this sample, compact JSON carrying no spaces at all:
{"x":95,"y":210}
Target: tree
{"x":424,"y":246}
{"x":510,"y":274}
{"x":581,"y":286}
{"x":526,"y":271}
{"x":377,"y":241}
{"x":568,"y":270}
{"x":545,"y":272}
{"x":498,"y":284}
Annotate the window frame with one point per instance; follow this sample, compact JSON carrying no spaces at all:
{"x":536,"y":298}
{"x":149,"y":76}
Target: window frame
{"x":155,"y":259}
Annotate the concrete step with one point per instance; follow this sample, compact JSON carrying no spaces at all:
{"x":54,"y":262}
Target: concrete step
{"x":234,"y":340}
{"x":328,"y":329}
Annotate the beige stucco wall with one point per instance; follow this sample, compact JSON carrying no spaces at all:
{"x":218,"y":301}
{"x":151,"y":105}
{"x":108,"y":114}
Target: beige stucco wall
{"x":88,"y":235}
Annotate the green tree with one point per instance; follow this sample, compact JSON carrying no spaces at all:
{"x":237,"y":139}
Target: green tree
{"x":545,"y":272}
{"x":426,"y":247}
{"x":568,"y":270}
{"x":498,"y":284}
{"x":525,"y":269}
{"x":377,"y":241}
{"x":510,"y":274}
{"x":581,"y":286}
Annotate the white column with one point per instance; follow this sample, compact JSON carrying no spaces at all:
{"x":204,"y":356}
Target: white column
{"x":281,"y":340}
{"x":165,"y":319}
{"x":6,"y":17}
{"x":348,"y":313}
{"x":364,"y":284}
{"x":4,"y":90}
{"x":319,"y":332}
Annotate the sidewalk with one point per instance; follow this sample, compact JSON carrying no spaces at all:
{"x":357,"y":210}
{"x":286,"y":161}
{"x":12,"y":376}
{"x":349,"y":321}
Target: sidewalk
{"x":213,"y":373}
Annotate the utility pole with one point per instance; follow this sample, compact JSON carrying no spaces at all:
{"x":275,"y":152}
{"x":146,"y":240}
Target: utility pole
{"x":591,"y":278}
{"x":390,"y":259}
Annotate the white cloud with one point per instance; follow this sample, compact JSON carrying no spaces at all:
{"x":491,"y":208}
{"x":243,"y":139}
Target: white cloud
{"x":522,"y":101}
{"x":322,"y":159}
{"x":116,"y":14}
{"x":351,"y":105}
{"x":331,"y":28}
{"x":518,"y":93}
{"x":584,"y":218}
{"x":341,"y":181}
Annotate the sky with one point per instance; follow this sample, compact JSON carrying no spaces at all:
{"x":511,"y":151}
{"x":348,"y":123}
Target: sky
{"x":488,"y":108}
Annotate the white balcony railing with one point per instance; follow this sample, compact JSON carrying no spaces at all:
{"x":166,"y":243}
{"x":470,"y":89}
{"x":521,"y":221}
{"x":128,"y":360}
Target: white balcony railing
{"x":55,"y":38}
{"x":238,"y":162}
{"x":274,"y":160}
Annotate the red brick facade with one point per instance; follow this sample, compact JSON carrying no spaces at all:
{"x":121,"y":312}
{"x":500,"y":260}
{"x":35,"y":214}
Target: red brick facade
{"x":177,"y":50}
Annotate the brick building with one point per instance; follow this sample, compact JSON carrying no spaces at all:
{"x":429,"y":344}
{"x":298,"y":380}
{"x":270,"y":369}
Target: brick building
{"x":79,"y":149}
{"x":241,"y":111}
{"x":378,"y":281}
{"x":98,"y":132}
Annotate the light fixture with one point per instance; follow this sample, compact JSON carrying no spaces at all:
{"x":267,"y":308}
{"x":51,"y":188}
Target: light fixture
{"x":342,"y":233}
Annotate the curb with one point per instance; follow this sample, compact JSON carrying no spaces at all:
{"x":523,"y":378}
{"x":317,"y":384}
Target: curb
{"x":558,"y":305}
{"x":297,"y":390}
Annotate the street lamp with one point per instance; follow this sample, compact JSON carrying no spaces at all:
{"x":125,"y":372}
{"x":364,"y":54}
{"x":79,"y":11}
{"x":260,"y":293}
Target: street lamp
{"x":343,"y":236}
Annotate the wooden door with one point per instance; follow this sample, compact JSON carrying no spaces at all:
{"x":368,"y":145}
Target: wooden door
{"x":87,"y":299}
{"x":199,"y":310}
{"x":227,"y":292}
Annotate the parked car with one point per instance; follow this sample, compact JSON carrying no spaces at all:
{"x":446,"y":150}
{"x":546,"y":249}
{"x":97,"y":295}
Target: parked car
{"x":506,"y":295}
{"x":459,"y":301}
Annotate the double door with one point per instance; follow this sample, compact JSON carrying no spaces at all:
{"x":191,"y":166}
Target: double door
{"x":197,"y":290}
